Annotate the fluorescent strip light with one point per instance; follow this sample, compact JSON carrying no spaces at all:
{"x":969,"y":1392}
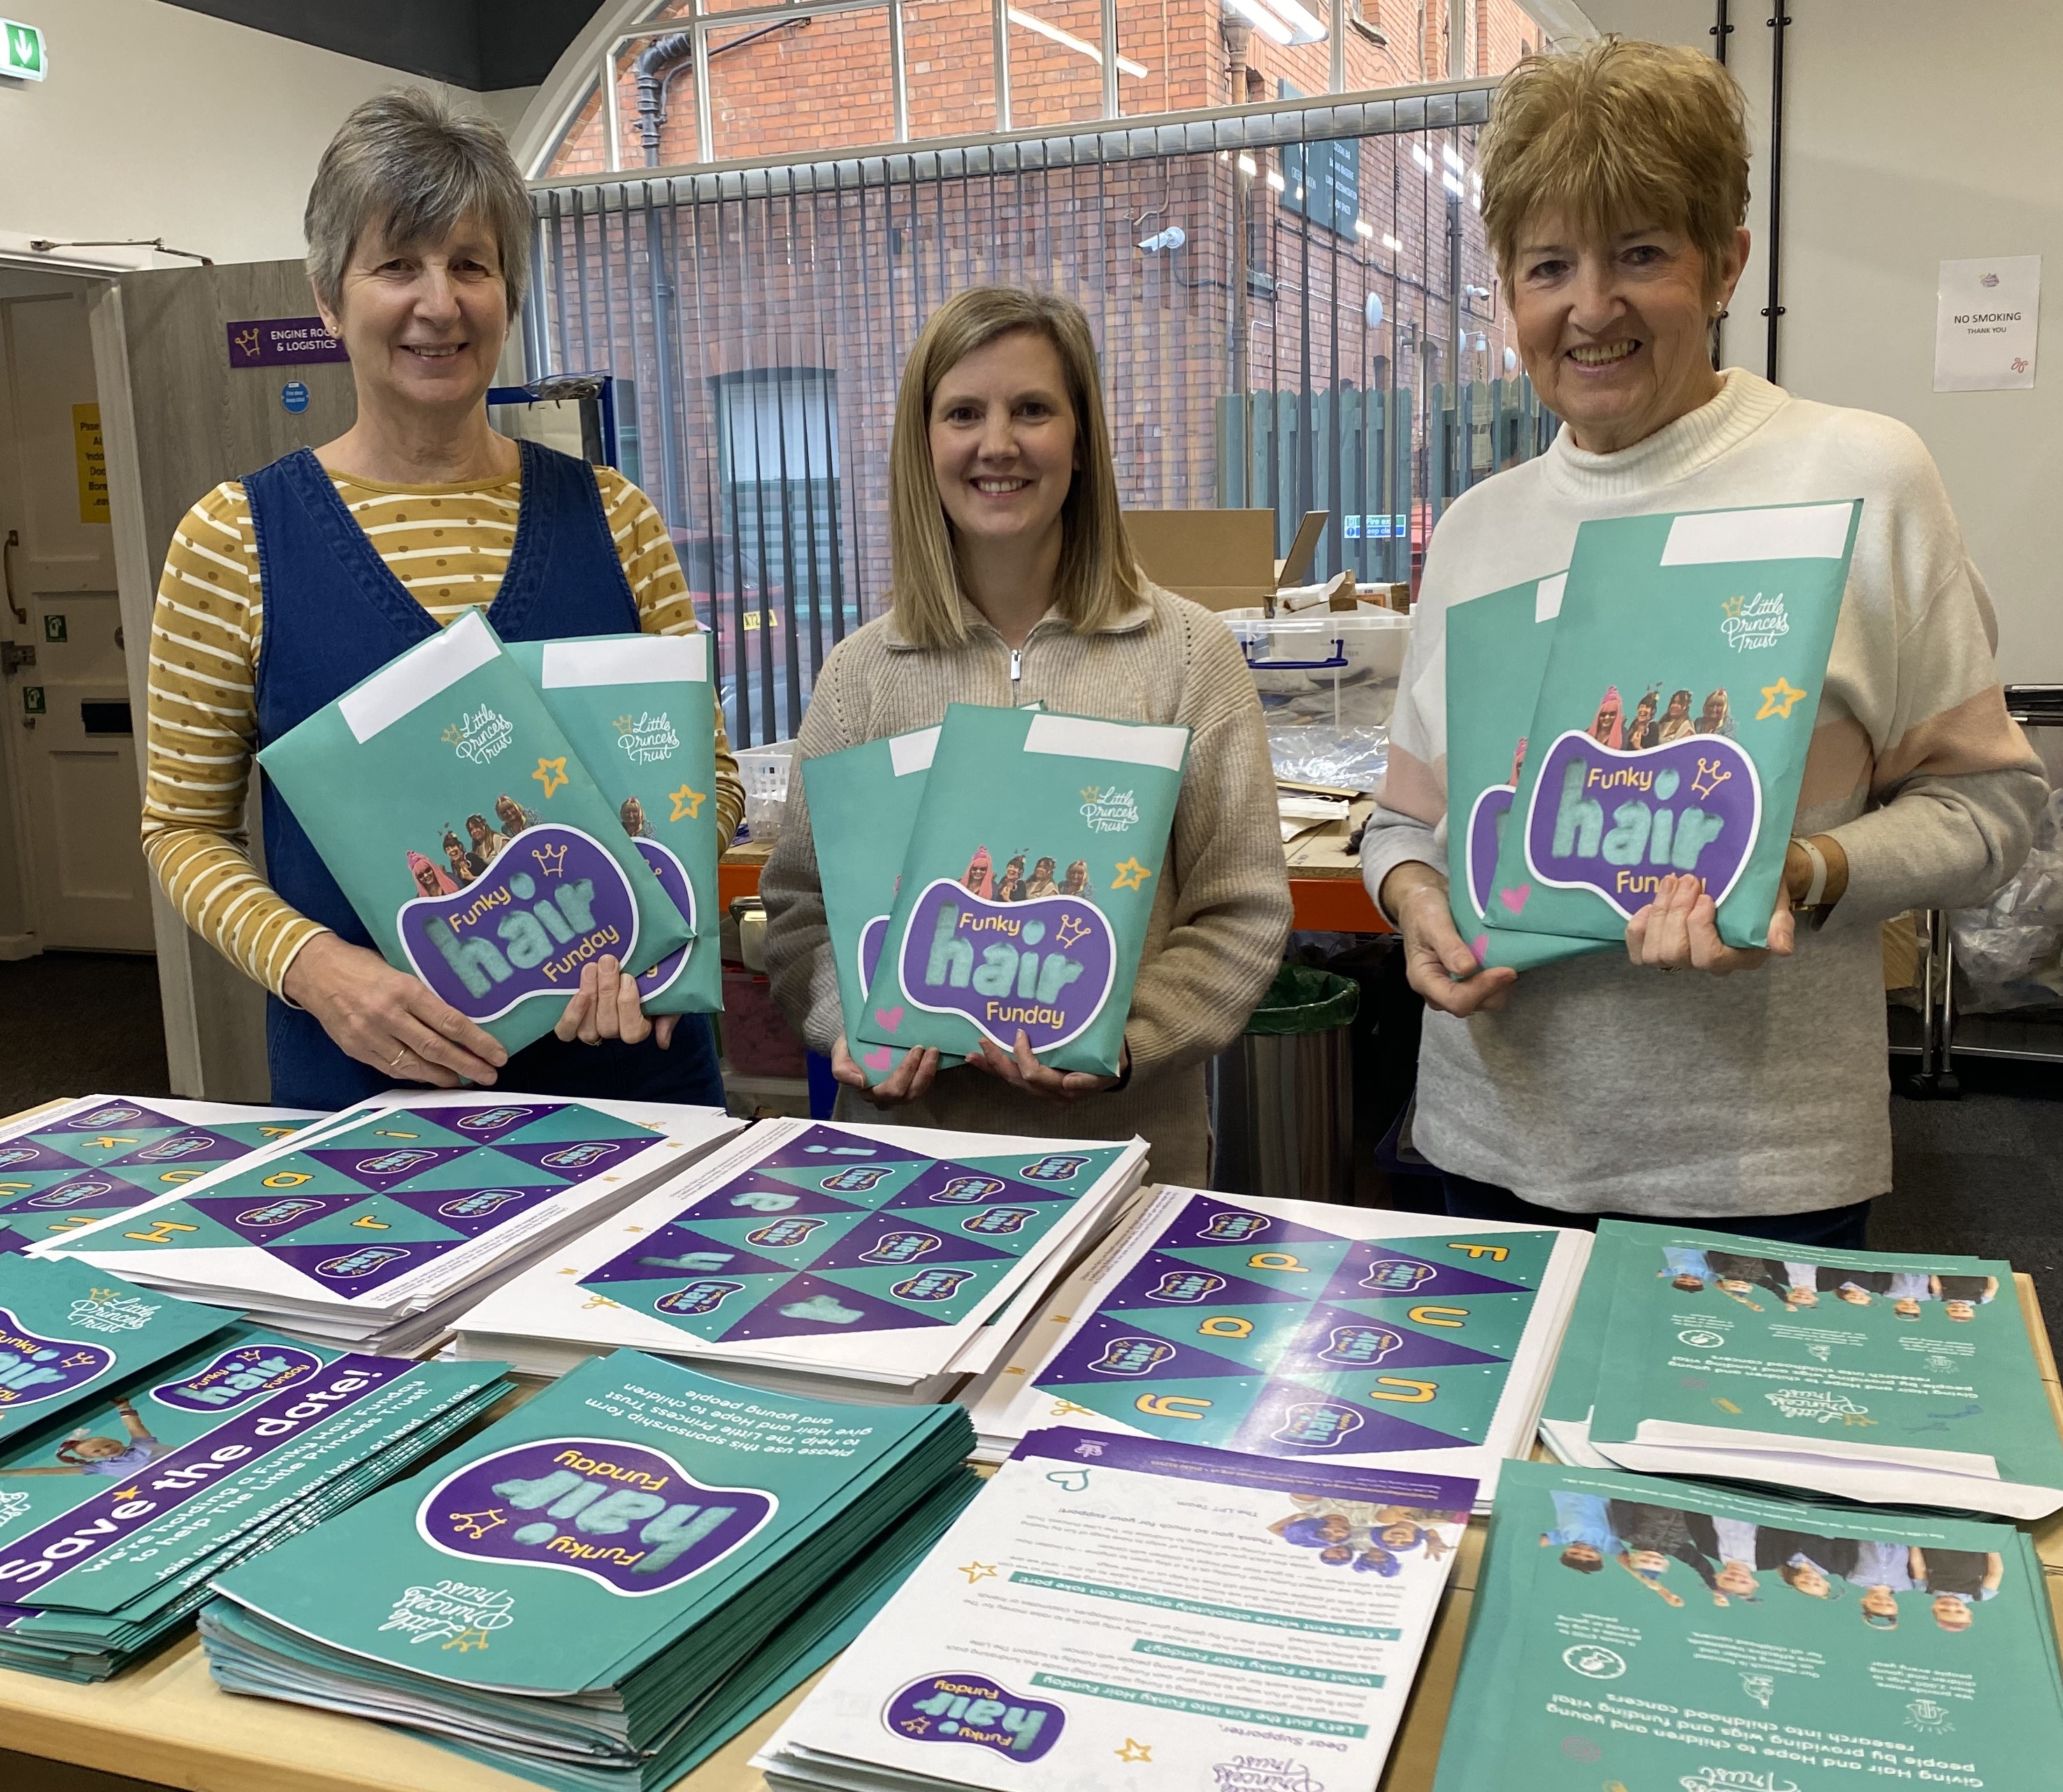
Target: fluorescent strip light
{"x":1277,"y":182}
{"x":1363,"y":227}
{"x":1032,"y":22}
{"x":1248,"y":165}
{"x":1418,"y":154}
{"x":1392,"y":245}
{"x":1283,"y":22}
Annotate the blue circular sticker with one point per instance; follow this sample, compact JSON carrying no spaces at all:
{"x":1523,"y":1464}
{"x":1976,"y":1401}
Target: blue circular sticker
{"x":294,"y":396}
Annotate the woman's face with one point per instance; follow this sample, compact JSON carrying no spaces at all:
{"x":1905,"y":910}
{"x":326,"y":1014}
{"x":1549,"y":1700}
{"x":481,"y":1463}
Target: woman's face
{"x":1715,"y":705}
{"x":1002,"y":441}
{"x":1811,"y":1582}
{"x":424,"y":323}
{"x":426,"y":881}
{"x":1613,"y":334}
{"x":1679,"y":706}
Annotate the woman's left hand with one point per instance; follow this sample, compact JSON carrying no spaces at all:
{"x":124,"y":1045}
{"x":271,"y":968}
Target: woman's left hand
{"x":1022,"y":1070}
{"x":605,"y":1006}
{"x":1681,"y":927}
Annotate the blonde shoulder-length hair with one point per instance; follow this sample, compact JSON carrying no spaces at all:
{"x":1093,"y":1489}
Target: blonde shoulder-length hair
{"x":1098,"y":580}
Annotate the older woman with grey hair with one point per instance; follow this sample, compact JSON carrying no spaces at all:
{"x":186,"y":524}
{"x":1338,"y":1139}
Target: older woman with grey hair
{"x":1750,"y":1094}
{"x":282,"y":590}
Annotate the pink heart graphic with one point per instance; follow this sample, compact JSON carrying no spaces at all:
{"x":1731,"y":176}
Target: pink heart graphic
{"x":1515,"y":899}
{"x":879,"y":1058}
{"x":891,"y":1018}
{"x":1480,"y":946}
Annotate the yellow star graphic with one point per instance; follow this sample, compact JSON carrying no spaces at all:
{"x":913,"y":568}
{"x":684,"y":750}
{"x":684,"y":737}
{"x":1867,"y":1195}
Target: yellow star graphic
{"x":687,"y":803}
{"x":126,"y":1492}
{"x":1131,"y":876}
{"x":1133,"y":1751}
{"x":1777,"y":699}
{"x":551,"y":774}
{"x":978,"y":1571}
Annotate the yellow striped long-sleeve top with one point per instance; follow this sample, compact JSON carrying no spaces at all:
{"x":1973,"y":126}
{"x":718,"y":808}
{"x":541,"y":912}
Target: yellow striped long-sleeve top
{"x":449,"y":545}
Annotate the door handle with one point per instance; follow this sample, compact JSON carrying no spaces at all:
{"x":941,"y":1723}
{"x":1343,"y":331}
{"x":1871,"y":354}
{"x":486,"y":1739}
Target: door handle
{"x":7,"y":572}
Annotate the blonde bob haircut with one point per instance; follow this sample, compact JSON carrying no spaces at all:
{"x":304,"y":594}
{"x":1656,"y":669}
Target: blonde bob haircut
{"x":1099,"y":581}
{"x":1619,"y":136}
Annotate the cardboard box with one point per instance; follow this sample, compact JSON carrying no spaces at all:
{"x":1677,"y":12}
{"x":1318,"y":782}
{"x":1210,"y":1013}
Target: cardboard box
{"x":1221,"y":559}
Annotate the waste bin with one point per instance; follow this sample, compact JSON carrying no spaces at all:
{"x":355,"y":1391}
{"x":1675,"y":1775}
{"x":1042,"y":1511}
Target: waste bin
{"x":1282,"y":1096}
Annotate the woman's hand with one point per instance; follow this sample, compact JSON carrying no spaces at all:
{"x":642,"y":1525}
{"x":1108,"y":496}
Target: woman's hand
{"x":907,"y":1082}
{"x":1438,"y":962}
{"x":382,"y":1017}
{"x":606,"y":1006}
{"x":1681,"y":926}
{"x":1022,"y":1070}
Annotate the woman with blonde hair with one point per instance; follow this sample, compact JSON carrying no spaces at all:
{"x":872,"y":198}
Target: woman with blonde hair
{"x":1013,"y":583}
{"x":1614,"y":180}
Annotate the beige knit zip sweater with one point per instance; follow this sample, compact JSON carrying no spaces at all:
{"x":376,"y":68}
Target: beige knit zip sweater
{"x":1223,"y":910}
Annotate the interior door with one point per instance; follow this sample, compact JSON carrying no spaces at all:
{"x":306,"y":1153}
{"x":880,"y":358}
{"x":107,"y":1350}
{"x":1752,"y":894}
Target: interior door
{"x":73,"y":746}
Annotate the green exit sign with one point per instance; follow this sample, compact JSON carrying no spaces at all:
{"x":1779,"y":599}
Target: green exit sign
{"x":20,"y":51}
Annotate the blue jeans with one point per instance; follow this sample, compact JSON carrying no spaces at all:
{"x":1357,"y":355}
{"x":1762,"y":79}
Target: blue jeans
{"x":1835,"y":1228}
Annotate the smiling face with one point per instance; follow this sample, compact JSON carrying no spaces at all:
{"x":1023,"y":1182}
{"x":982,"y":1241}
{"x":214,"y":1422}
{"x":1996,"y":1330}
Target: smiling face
{"x":1613,"y":334}
{"x":98,"y":1449}
{"x":1002,"y":441}
{"x":425,"y":322}
{"x":1738,"y":1578}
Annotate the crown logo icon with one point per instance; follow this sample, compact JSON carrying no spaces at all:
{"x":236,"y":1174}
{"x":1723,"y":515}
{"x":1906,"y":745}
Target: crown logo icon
{"x":552,"y":859}
{"x":466,"y":1641}
{"x":1091,"y":792}
{"x":477,"y":1524}
{"x":1732,"y":606}
{"x":625,"y":724}
{"x":246,"y":340}
{"x":1071,"y":930}
{"x":1710,"y":775}
{"x":454,"y":734}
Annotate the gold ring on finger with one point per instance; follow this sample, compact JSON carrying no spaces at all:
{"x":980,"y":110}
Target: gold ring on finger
{"x":396,"y":1064}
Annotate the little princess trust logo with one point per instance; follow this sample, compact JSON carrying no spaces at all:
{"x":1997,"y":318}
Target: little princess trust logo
{"x":1108,"y":809}
{"x":485,"y":734}
{"x":453,"y":1614}
{"x":646,"y":738}
{"x":103,"y":1310}
{"x":1755,"y":621}
{"x":1264,"y":1772}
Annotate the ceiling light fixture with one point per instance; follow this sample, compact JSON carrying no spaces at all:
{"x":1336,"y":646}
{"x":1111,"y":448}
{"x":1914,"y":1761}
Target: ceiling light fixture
{"x":1283,"y":22}
{"x":1032,"y":22}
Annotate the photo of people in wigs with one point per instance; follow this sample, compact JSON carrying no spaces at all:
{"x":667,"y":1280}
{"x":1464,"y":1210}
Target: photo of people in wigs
{"x":1654,"y":723}
{"x":1369,"y":1539}
{"x":1729,"y":1560}
{"x":1014,"y":884}
{"x":460,"y":858}
{"x":1756,"y":1283}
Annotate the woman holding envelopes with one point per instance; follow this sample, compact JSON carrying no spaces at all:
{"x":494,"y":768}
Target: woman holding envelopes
{"x":1014,"y":586}
{"x":282,"y":591}
{"x":1614,"y":180}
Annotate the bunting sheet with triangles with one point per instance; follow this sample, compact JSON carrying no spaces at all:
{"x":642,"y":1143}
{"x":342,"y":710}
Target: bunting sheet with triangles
{"x":1291,"y":1328}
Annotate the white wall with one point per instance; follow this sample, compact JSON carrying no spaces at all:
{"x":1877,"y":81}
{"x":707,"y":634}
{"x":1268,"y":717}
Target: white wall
{"x":1913,"y":132}
{"x":159,"y":121}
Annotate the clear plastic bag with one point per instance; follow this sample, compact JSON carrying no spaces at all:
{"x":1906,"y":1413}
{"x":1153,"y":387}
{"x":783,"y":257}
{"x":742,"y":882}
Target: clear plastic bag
{"x":1316,"y":753}
{"x":2009,"y":953}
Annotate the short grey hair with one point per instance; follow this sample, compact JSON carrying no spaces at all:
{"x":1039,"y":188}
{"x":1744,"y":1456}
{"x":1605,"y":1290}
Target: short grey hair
{"x":410,"y":165}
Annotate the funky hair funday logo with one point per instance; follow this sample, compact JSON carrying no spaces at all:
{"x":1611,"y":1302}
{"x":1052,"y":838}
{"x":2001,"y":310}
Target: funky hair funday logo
{"x":35,"y":1370}
{"x":1044,"y":966}
{"x":235,"y":1376}
{"x":955,"y":1707}
{"x":549,"y":902}
{"x":629,"y":1519}
{"x":485,"y":734}
{"x":1617,"y":823}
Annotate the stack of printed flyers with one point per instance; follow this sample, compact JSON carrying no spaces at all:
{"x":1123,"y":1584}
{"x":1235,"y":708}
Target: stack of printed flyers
{"x":146,"y":1445}
{"x":374,"y":1227}
{"x":1118,"y":1611}
{"x":72,"y":1163}
{"x":602,"y":1588}
{"x":1632,"y":1632}
{"x":1871,"y":1375}
{"x":1287,"y":1328}
{"x":862,"y":1263}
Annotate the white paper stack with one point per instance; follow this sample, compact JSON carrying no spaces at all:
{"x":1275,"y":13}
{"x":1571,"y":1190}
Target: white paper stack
{"x":1298,"y":1330}
{"x":1123,"y":1612}
{"x":880,"y":1263}
{"x":374,"y":1227}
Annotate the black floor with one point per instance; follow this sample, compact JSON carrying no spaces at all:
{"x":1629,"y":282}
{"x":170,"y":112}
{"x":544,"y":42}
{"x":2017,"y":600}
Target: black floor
{"x":1982,"y":1176}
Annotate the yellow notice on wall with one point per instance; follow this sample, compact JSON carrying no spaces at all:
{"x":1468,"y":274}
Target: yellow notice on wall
{"x":92,"y":463}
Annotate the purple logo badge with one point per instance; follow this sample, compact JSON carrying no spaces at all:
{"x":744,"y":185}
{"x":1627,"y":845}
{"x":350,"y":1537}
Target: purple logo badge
{"x":493,"y":1120}
{"x":353,"y":1264}
{"x":857,"y":1180}
{"x":1357,"y":1346}
{"x":1316,"y":1425}
{"x":697,"y":1298}
{"x":277,"y":1213}
{"x":779,"y":1235}
{"x":1131,"y":1356}
{"x":900,"y":1247}
{"x":628,"y":1518}
{"x":578,"y":1156}
{"x":184,"y":1145}
{"x":103,"y":1117}
{"x":237,"y":1376}
{"x":931,"y":1285}
{"x":34,"y":1369}
{"x":547,"y":904}
{"x":1392,"y":1276}
{"x":66,"y":1195}
{"x":999,"y":1220}
{"x":393,"y":1163}
{"x":1044,"y":967}
{"x":969,"y":1708}
{"x":13,"y":1154}
{"x":1055,"y":1167}
{"x":1617,"y":823}
{"x":480,"y":1204}
{"x":673,"y":877}
{"x":1186,"y":1286}
{"x":964,"y":1189}
{"x":1235,"y":1228}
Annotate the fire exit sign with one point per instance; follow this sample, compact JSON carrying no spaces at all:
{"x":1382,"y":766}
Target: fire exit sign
{"x":20,"y":51}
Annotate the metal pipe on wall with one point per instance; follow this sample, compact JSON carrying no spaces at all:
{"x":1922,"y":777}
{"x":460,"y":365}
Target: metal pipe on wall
{"x":1774,"y":248}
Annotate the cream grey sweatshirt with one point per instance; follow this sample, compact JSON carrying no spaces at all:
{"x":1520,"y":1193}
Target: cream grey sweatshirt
{"x":1601,"y":1088}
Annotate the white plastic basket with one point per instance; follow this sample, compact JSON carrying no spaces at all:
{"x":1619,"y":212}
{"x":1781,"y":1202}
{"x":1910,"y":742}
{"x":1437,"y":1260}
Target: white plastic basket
{"x":1335,"y":667}
{"x":763,"y":770}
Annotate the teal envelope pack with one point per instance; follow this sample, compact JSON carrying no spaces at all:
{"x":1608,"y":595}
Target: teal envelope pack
{"x":1027,"y":887}
{"x":1675,"y":717}
{"x":475,"y":846}
{"x":639,"y":711}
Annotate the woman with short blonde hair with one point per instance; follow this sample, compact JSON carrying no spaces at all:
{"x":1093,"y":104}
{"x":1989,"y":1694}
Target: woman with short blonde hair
{"x":1615,"y":185}
{"x":1014,"y":584}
